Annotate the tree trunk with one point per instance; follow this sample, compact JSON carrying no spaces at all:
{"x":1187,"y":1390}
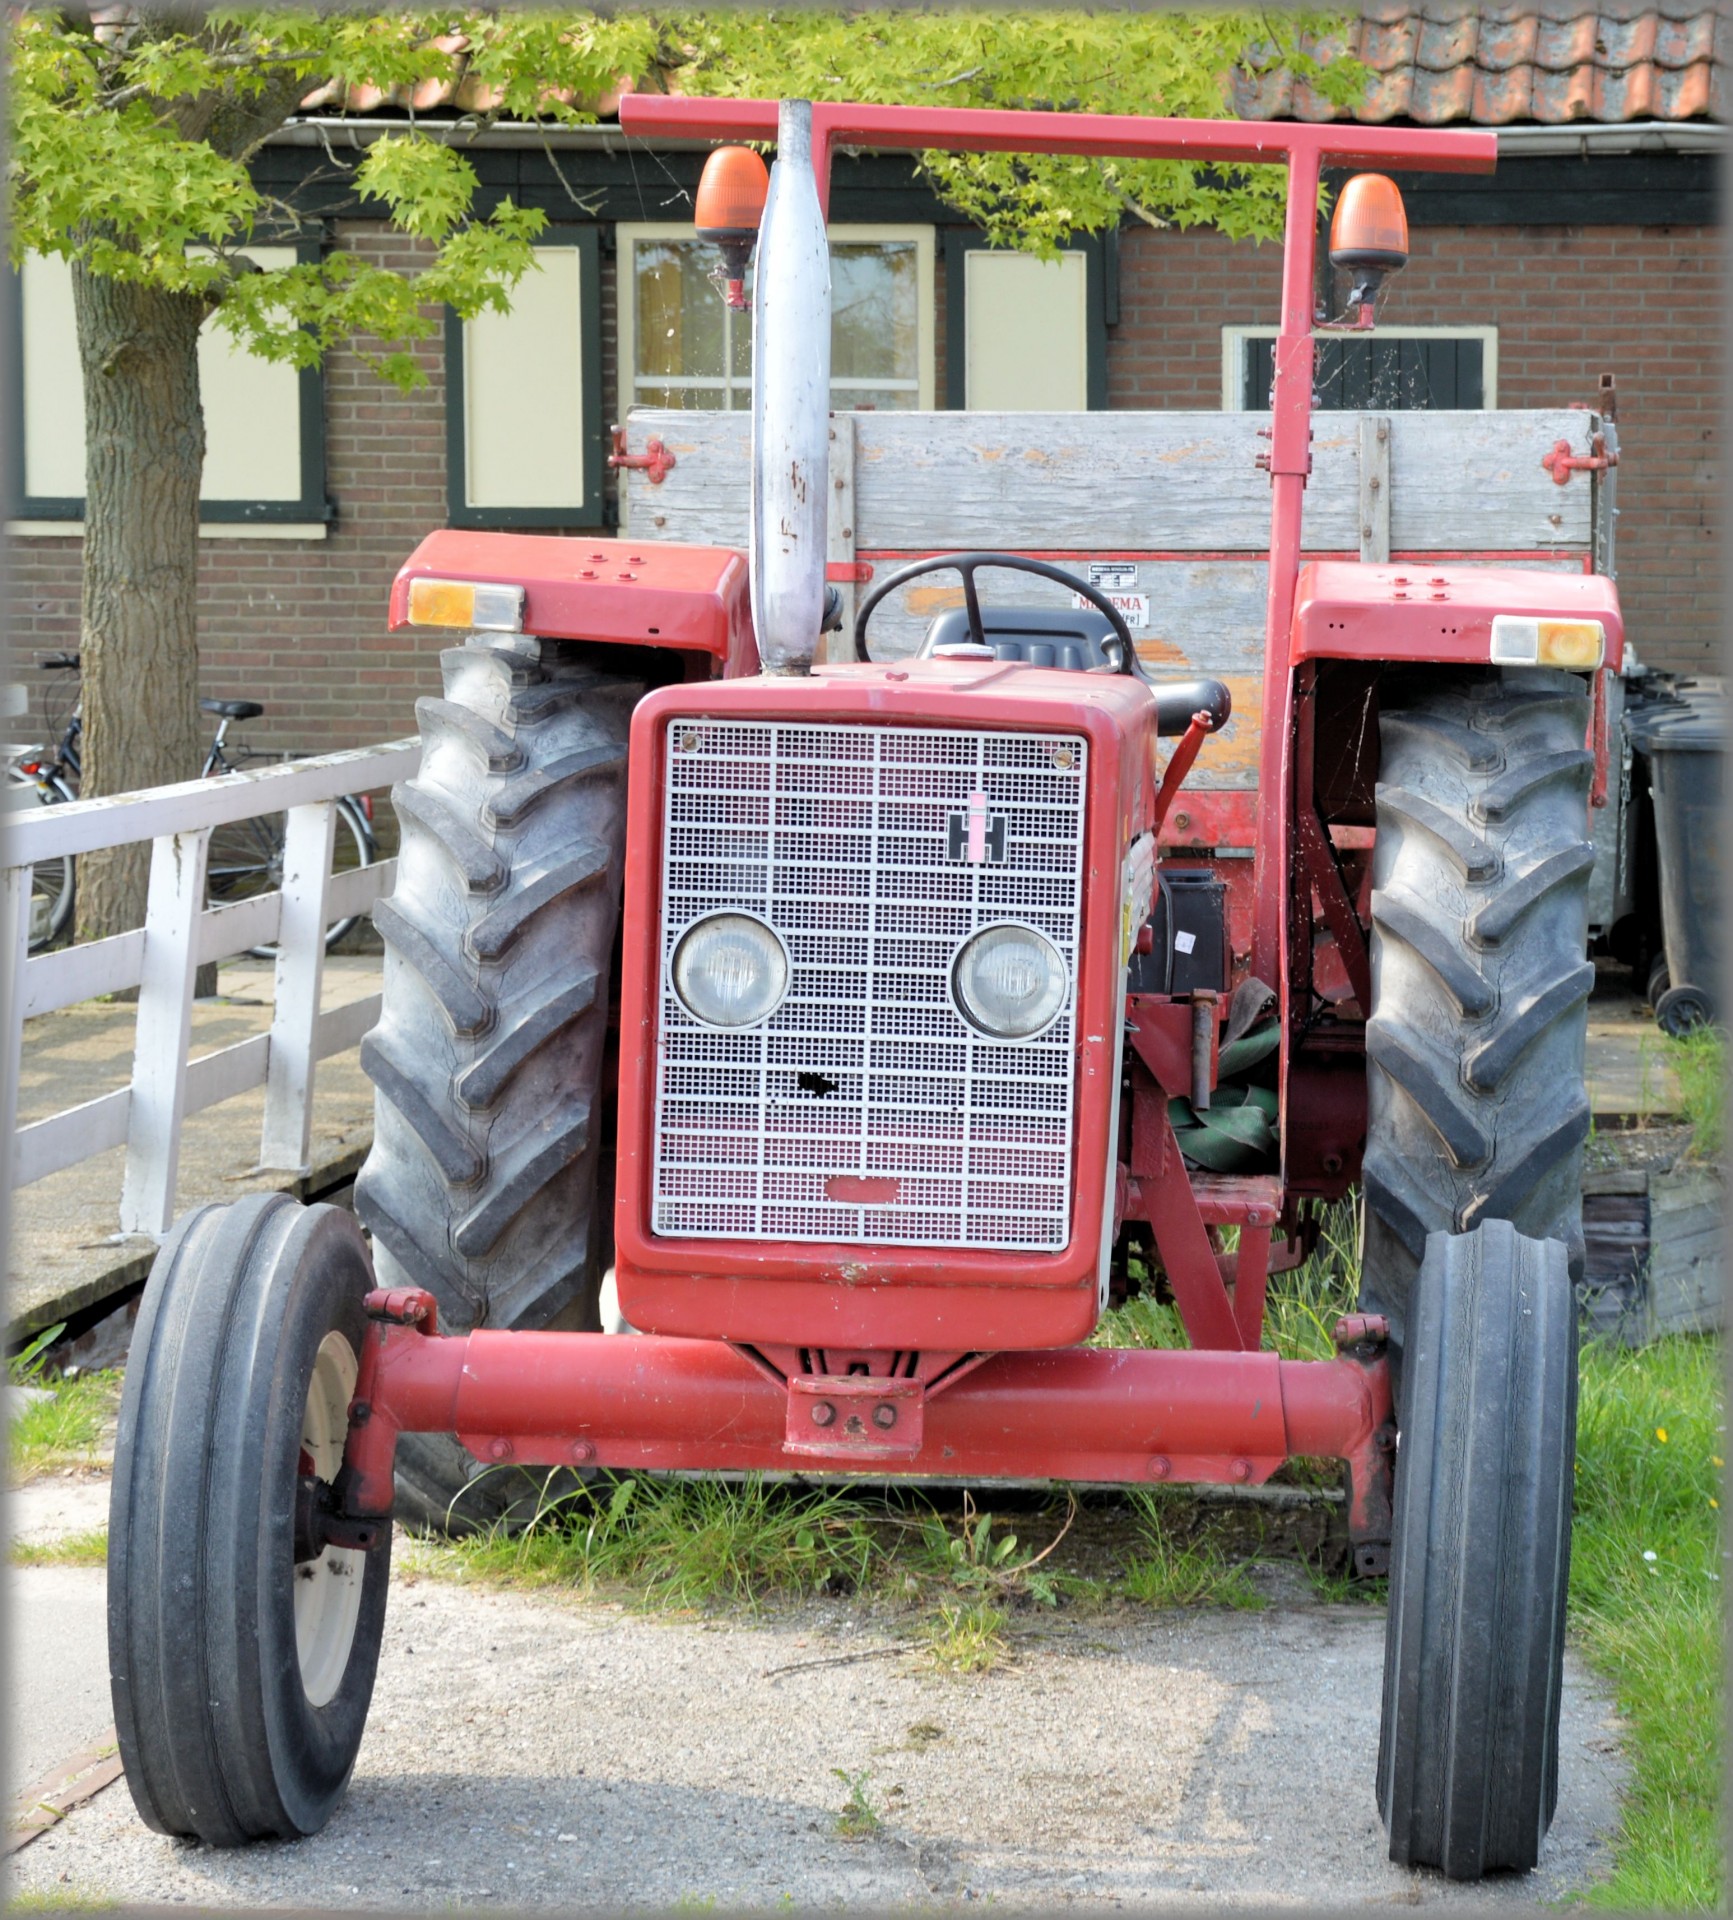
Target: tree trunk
{"x":145,"y":449}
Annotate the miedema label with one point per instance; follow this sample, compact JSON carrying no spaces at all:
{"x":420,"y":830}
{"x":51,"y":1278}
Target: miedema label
{"x":1133,"y":607}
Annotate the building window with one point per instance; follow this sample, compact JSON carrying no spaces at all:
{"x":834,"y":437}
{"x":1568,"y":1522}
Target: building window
{"x":1395,"y":370}
{"x":523,"y":396}
{"x":1025,"y":335}
{"x":264,"y":422}
{"x":682,"y":346}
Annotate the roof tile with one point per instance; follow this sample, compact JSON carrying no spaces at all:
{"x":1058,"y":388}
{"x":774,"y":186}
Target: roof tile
{"x":1439,"y":98}
{"x":1501,"y":98}
{"x":1497,"y":62}
{"x":1566,"y":43}
{"x":1388,"y":45}
{"x":1679,"y":42}
{"x":1629,"y":95}
{"x":1505,"y":44}
{"x":1386,"y":98}
{"x":1433,"y":62}
{"x":1690,"y":94}
{"x":1625,"y":43}
{"x":1560,"y":98}
{"x":1449,"y":43}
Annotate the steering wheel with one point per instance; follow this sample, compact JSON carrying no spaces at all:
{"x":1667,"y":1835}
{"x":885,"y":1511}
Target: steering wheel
{"x":965,"y":564}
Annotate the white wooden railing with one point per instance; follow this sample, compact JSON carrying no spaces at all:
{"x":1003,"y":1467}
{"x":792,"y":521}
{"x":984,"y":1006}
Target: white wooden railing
{"x":162,"y":958}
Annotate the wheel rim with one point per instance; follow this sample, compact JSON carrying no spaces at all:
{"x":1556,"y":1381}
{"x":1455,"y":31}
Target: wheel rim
{"x":327,"y":1590}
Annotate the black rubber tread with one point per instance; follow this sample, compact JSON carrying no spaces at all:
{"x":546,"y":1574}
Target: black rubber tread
{"x":482,"y":869}
{"x":485,"y":1081}
{"x":580,"y":866}
{"x":467,"y":1012}
{"x":1476,"y":1104}
{"x":1480,"y":1561}
{"x":217,"y":1736}
{"x":445,"y":720}
{"x":1437,"y":944}
{"x":1474,"y":855}
{"x":531,"y":789}
{"x":1502,"y":796}
{"x":499,"y":942}
{"x":1445,"y":731}
{"x":1496,"y":920}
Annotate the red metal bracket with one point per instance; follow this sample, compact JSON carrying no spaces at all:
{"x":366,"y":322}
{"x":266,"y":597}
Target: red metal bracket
{"x":848,"y":573}
{"x":1179,"y":764}
{"x":1599,"y":743}
{"x":1561,"y":463}
{"x":1318,"y":861}
{"x":655,"y":460}
{"x":853,"y":1415}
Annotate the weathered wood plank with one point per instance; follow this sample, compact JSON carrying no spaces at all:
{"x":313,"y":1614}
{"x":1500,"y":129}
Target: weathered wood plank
{"x":64,"y":1139}
{"x":1171,"y":482}
{"x":1375,"y":488}
{"x":839,"y":541}
{"x":173,"y":905}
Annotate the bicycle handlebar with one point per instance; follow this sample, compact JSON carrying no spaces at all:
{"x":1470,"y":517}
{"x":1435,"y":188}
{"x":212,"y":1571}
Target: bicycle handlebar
{"x":60,"y":661}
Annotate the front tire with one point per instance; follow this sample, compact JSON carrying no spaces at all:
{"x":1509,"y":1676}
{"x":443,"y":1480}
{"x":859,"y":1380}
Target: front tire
{"x":1480,"y":1561}
{"x":1476,"y":1104}
{"x":242,"y":1650}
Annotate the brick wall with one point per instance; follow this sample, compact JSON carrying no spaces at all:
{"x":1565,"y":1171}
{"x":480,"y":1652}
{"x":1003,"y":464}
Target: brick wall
{"x":300,"y":624}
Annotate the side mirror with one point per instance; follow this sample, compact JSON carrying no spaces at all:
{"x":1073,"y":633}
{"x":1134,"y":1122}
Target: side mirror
{"x":1369,"y":236}
{"x":731,"y":197}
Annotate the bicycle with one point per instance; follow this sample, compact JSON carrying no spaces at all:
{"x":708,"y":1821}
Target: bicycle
{"x":245,"y":857}
{"x":46,"y":775}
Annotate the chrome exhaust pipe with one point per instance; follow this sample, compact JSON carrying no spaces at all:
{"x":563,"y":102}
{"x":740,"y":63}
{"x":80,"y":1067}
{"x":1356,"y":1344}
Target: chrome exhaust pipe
{"x":790,"y":405}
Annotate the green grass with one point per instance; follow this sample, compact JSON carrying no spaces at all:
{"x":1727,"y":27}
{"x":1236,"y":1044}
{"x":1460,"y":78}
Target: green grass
{"x":969,"y":1638}
{"x":859,"y":1818}
{"x":1646,"y":1605}
{"x":679,"y":1543}
{"x":70,"y":1550}
{"x":56,"y":1900}
{"x":1301,"y":1307}
{"x":1170,"y":1572}
{"x":1699,"y":1059}
{"x":64,"y":1430}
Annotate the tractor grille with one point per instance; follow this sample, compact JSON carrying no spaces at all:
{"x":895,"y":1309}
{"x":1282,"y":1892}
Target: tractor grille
{"x":866,"y":1083}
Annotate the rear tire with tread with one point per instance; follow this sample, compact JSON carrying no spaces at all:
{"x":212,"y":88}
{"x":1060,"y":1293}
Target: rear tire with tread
{"x":1480,"y":1560}
{"x":1480,"y":978}
{"x":487,"y":1061}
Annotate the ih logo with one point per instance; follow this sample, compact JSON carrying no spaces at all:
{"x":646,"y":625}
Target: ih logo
{"x":975,"y":835}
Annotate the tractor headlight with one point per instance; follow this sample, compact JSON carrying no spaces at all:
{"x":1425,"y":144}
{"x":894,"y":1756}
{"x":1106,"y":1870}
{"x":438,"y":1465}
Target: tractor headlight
{"x":730,"y":970}
{"x":1009,"y":981}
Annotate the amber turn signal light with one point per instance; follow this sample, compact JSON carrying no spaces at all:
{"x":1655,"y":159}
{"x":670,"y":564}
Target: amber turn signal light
{"x":1369,"y":227}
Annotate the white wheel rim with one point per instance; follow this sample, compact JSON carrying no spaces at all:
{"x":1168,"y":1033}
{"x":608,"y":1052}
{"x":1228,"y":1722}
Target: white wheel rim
{"x":328,"y":1590}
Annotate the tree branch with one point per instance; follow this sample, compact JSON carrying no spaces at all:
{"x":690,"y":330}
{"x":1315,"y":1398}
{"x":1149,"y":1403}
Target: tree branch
{"x":956,"y":79}
{"x":220,"y":62}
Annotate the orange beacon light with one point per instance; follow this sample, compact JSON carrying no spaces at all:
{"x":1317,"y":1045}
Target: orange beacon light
{"x":731,"y":197}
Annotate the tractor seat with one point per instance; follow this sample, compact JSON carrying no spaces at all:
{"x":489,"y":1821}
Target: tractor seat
{"x":233,"y":709}
{"x":1075,"y":640}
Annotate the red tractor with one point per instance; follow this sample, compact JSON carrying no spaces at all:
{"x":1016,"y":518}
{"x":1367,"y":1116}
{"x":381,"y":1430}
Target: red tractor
{"x":921,"y":1035}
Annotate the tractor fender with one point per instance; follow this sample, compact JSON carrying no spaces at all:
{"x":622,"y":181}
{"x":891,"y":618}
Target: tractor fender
{"x":659,"y":595}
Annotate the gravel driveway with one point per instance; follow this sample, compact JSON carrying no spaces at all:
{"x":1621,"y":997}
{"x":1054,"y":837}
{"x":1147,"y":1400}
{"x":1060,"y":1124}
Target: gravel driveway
{"x":543,"y":1751}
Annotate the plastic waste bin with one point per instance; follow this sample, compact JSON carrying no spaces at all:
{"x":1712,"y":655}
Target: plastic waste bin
{"x":1683,"y":738}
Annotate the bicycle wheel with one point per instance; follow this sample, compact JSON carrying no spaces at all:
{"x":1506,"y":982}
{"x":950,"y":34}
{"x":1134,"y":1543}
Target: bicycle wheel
{"x":246,"y":859}
{"x":51,"y":881}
